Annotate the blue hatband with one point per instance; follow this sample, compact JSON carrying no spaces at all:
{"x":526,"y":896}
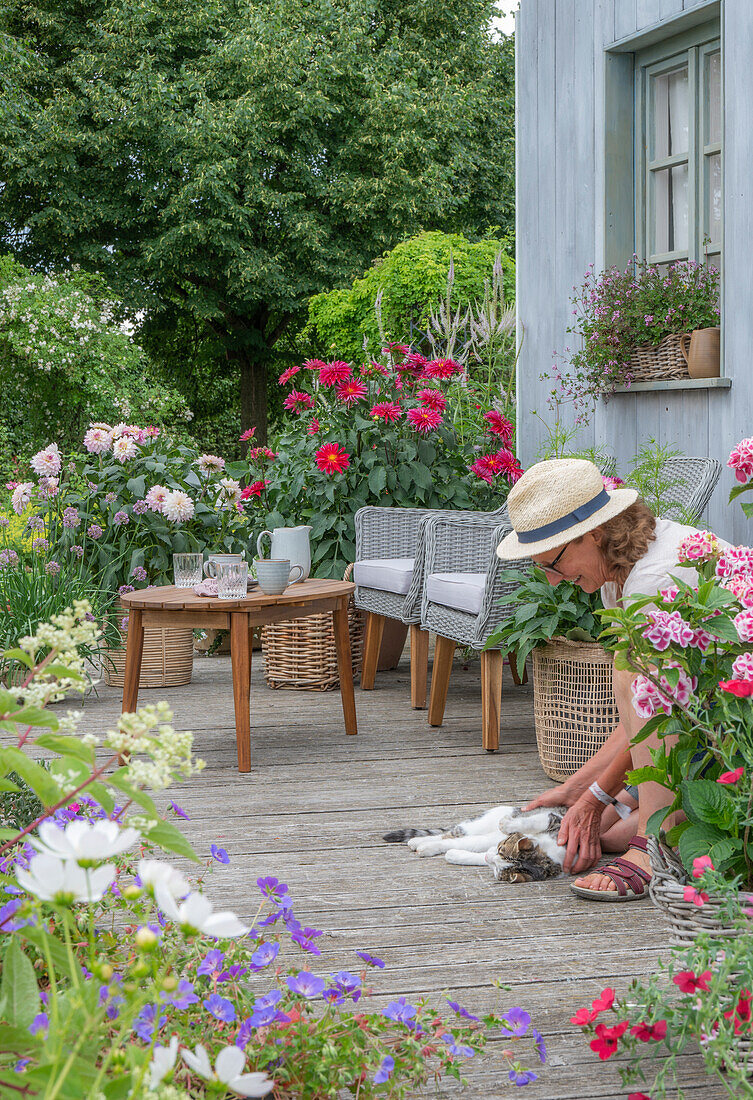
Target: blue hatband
{"x":564,"y":523}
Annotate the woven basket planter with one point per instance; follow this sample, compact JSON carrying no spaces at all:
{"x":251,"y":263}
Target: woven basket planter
{"x":684,"y":919}
{"x":300,"y":654}
{"x":167,"y":660}
{"x":652,"y":363}
{"x":573,"y":704}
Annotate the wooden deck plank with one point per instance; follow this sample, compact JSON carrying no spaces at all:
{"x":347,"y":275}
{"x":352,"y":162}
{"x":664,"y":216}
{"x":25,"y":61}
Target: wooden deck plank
{"x":312,"y":811}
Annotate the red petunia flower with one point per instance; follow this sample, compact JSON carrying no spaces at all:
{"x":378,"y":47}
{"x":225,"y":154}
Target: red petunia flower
{"x":336,"y":371}
{"x":647,"y":1032}
{"x":249,"y":434}
{"x":605,"y":1043}
{"x":287,"y":375}
{"x":687,"y":981}
{"x":424,"y":420}
{"x":388,"y":411}
{"x":351,"y":391}
{"x":296,"y":401}
{"x":728,"y":778}
{"x":257,"y":454}
{"x":698,"y":897}
{"x":432,"y":399}
{"x":332,"y":459}
{"x":498,"y":424}
{"x":255,"y":489}
{"x":604,"y":1001}
{"x":442,"y":368}
{"x":741,"y":688}
{"x":582,"y":1017}
{"x":313,"y":427}
{"x":741,"y":1013}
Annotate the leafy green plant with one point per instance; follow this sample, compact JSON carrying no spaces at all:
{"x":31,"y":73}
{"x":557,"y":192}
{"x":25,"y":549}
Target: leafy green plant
{"x":18,"y":808}
{"x":655,"y":484}
{"x":542,"y":611}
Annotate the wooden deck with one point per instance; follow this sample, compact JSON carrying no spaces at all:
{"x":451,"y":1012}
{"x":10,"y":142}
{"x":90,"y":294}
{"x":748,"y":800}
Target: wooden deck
{"x":312,"y":811}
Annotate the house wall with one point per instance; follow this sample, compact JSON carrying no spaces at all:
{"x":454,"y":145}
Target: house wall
{"x":572,"y":162}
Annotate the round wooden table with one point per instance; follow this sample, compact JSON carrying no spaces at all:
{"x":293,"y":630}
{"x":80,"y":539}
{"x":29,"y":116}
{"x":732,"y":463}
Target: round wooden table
{"x":169,"y":606}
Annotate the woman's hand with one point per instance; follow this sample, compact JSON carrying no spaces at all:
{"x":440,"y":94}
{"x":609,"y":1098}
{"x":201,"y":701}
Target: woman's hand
{"x":565,"y":795}
{"x":580,"y":834}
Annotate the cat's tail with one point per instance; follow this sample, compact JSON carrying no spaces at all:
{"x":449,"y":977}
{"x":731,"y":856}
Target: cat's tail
{"x":399,"y":836}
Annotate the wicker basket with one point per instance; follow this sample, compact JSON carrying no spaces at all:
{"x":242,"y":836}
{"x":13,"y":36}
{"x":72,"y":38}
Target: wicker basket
{"x":652,"y":362}
{"x":300,"y":654}
{"x":684,"y":919}
{"x":167,"y":659}
{"x":573,"y":704}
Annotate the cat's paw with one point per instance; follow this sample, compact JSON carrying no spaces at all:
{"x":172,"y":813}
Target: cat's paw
{"x":414,"y":842}
{"x":513,"y":874}
{"x":507,"y":815}
{"x":430,"y":846}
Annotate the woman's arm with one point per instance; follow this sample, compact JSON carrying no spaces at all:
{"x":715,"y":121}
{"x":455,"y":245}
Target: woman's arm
{"x":607,"y":766}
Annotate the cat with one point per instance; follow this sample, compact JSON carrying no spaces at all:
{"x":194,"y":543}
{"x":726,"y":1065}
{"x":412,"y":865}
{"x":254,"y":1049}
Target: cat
{"x":518,"y":845}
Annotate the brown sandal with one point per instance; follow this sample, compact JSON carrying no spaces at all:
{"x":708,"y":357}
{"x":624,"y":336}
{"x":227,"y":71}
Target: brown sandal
{"x":631,"y":881}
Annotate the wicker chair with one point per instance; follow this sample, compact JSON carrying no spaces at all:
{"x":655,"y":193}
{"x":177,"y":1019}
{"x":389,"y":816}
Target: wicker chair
{"x":695,"y":480}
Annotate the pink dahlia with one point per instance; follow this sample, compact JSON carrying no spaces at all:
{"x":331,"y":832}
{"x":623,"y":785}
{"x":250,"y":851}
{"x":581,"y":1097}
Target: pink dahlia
{"x":351,"y":391}
{"x":697,"y":547}
{"x":332,"y":459}
{"x":424,"y":420}
{"x":482,"y":469}
{"x":156,"y":497}
{"x":258,"y":454}
{"x":442,"y":368}
{"x":296,"y":401}
{"x":388,"y":411}
{"x":124,"y":448}
{"x":47,"y":462}
{"x":415,"y":363}
{"x":432,"y":399}
{"x":498,"y":424}
{"x":255,"y":489}
{"x":741,"y":459}
{"x":332,"y":373}
{"x":313,"y":427}
{"x":97,"y":441}
{"x":511,"y":468}
{"x":207,"y":463}
{"x":314,"y":364}
{"x":248,"y":434}
{"x":287,"y":375}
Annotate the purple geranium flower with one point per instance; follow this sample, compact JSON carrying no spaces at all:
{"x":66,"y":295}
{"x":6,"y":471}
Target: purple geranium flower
{"x":266,"y":1011}
{"x":271,"y":887}
{"x":264,"y":955}
{"x":146,"y":1021}
{"x":539,"y":1043}
{"x":305,"y":942}
{"x":220,"y":1008}
{"x":211,"y":963}
{"x":181,"y":997}
{"x":348,"y":982}
{"x":7,"y":923}
{"x":220,"y":854}
{"x":232,"y":972}
{"x":466,"y":1052}
{"x":370,"y":960}
{"x":333,"y":995}
{"x":461,"y":1011}
{"x":306,"y":984}
{"x":522,"y":1077}
{"x":385,"y":1070}
{"x":399,"y":1011}
{"x":178,"y":810}
{"x":41,"y":1022}
{"x":245,"y":1033}
{"x":517,"y":1020}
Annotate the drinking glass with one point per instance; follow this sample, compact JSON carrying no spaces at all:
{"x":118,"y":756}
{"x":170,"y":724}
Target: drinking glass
{"x":187,"y":569}
{"x":232,"y":580}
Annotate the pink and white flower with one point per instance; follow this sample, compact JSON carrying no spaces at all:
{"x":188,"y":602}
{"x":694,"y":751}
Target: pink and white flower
{"x":48,"y":487}
{"x":668,"y":627}
{"x":124,"y":448}
{"x":736,"y":560}
{"x":741,"y":459}
{"x":744,"y":625}
{"x":612,"y":483}
{"x":648,"y":699}
{"x":230,"y":492}
{"x":697,"y":547}
{"x":97,"y":441}
{"x":21,"y":496}
{"x":669,"y":594}
{"x":178,"y":506}
{"x":47,"y":462}
{"x":208,"y":463}
{"x":742,"y":667}
{"x":741,"y":586}
{"x":156,"y":497}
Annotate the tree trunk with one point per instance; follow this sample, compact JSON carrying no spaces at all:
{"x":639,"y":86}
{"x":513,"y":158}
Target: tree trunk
{"x":253,"y":394}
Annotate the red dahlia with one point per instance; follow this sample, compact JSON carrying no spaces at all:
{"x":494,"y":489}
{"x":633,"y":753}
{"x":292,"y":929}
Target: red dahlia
{"x":351,"y":391}
{"x":287,"y":375}
{"x":432,"y":399}
{"x":424,"y":420}
{"x":388,"y":411}
{"x":332,"y":459}
{"x":498,"y":424}
{"x":332,"y":373}
{"x":442,"y":368}
{"x":296,"y":401}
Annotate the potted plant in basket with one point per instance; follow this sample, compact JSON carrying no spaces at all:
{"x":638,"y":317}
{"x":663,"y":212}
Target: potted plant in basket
{"x":629,"y":326}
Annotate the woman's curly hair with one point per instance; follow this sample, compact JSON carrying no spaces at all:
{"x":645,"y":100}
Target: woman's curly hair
{"x":625,"y":539}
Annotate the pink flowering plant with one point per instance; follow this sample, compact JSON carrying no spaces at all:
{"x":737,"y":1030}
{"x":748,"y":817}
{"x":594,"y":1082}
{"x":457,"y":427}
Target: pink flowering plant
{"x":121,"y":977}
{"x":616,"y":311}
{"x":382,"y":432}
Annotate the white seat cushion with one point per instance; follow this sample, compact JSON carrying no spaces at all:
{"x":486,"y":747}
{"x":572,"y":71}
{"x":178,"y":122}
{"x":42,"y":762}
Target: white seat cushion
{"x":385,"y":574}
{"x":461,"y":591}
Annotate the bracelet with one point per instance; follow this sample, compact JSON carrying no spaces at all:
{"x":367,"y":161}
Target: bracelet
{"x":622,"y":809}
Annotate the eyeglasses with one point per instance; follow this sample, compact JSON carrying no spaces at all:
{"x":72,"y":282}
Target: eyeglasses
{"x":551,"y":568}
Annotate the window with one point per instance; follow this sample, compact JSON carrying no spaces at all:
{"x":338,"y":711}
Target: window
{"x":678,"y":127}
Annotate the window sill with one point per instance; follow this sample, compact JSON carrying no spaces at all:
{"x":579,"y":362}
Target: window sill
{"x":676,"y":384}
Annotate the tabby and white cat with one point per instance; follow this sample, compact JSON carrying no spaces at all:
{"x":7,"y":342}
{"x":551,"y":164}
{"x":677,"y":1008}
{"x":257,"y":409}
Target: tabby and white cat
{"x":518,"y":845}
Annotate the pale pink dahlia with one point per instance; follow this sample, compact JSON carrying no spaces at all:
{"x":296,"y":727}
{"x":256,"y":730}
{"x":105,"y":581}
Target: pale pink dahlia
{"x":230,"y":491}
{"x":178,"y":506}
{"x":47,"y":462}
{"x":156,"y":497}
{"x":48,"y":487}
{"x":741,"y":459}
{"x":207,"y":463}
{"x":21,"y":496}
{"x":97,"y":441}
{"x":124,"y":448}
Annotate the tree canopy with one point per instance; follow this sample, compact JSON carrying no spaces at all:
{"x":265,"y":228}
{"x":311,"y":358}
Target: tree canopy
{"x":226,"y":160}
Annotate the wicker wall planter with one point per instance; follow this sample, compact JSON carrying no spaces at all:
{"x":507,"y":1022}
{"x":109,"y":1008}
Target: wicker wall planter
{"x":167,"y":659}
{"x":300,"y":654}
{"x":684,"y":920}
{"x":573,"y":704}
{"x":652,"y":363}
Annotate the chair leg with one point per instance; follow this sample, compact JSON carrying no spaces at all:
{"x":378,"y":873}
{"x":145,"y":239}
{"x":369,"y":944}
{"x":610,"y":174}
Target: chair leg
{"x":444,"y":651}
{"x":512,"y":661}
{"x":371,"y":645}
{"x":492,"y":663}
{"x":419,"y":666}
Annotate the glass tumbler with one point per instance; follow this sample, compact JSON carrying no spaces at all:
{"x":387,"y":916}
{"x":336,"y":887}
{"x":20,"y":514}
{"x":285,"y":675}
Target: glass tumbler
{"x":232,"y":580}
{"x":187,"y":569}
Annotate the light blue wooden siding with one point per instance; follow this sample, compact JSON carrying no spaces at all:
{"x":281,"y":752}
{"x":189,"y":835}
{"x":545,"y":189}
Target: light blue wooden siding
{"x":565,"y":192}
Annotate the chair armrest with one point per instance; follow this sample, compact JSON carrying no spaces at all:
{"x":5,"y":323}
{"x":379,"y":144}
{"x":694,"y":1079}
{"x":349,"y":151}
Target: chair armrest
{"x":397,"y":532}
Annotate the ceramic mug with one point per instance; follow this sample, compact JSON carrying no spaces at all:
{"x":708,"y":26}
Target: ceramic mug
{"x":275,"y":576}
{"x":210,"y":566}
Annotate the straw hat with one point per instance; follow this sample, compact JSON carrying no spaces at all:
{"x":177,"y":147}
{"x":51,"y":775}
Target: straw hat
{"x":556,"y":501}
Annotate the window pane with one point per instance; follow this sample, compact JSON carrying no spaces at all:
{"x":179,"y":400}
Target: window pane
{"x":670,"y":229}
{"x":714,"y":191}
{"x":714,"y":96}
{"x":670,"y":113}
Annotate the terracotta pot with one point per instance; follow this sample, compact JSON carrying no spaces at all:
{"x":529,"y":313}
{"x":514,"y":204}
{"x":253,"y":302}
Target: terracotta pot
{"x":701,"y":351}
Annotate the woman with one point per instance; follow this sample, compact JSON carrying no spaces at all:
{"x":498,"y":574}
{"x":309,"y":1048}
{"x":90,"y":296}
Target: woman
{"x":575,"y":530}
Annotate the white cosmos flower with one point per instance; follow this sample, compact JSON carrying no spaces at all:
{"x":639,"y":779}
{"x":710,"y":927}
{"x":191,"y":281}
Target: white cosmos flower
{"x":196,"y":914}
{"x":85,"y":841}
{"x":163,"y":1060}
{"x":227,"y":1069}
{"x":163,"y":879}
{"x":178,"y":506}
{"x":52,"y":879}
{"x":124,"y":447}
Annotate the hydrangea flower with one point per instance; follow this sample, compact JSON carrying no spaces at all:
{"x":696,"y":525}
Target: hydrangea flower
{"x":668,"y":627}
{"x":741,"y":460}
{"x":742,"y":667}
{"x":744,"y":625}
{"x":697,"y":547}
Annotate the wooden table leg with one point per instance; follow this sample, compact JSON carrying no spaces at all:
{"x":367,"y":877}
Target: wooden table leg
{"x":240,"y":657}
{"x":134,"y":649}
{"x":345,"y":667}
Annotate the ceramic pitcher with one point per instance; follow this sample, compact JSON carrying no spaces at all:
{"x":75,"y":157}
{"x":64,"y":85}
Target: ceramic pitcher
{"x":701,"y":351}
{"x":289,"y":542}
